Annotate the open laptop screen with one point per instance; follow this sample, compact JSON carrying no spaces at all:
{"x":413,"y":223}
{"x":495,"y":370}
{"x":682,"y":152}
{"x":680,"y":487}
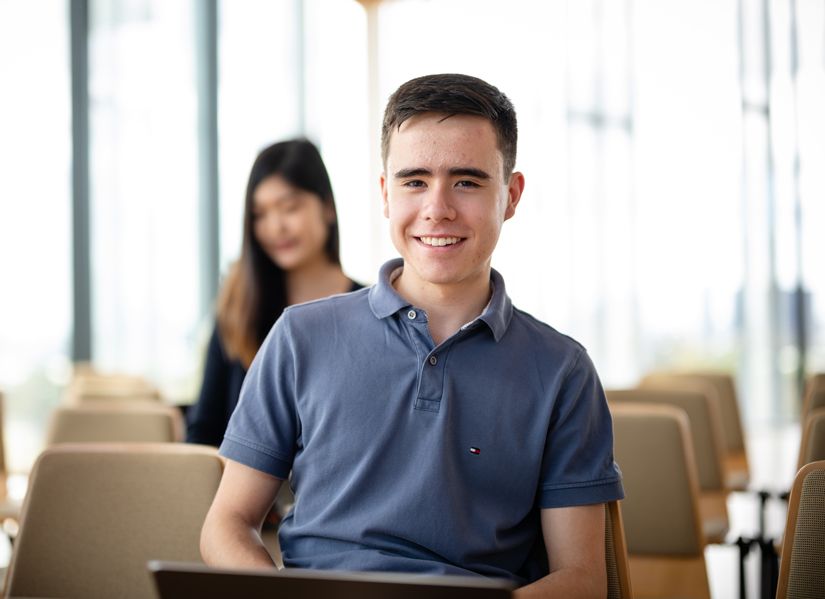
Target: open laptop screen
{"x":179,"y":580}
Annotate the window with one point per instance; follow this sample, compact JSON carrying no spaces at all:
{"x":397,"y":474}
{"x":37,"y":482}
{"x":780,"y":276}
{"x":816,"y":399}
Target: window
{"x":144,"y":190}
{"x":35,"y":219}
{"x":258,"y":99}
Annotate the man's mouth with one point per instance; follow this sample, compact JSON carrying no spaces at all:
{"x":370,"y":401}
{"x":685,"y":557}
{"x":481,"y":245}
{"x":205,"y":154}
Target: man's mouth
{"x":440,"y":241}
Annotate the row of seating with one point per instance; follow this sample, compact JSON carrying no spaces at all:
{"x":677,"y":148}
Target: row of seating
{"x":657,"y":443}
{"x":665,"y":534}
{"x":122,"y":492}
{"x":96,"y":513}
{"x":679,"y":442}
{"x":90,"y":385}
{"x":134,"y":502}
{"x":95,"y":419}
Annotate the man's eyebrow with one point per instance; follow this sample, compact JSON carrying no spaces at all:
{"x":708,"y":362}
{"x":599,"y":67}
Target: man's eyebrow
{"x":459,"y":171}
{"x":412,"y":172}
{"x":468,"y":171}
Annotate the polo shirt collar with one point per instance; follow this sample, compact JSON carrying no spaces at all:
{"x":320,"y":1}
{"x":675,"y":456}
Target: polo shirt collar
{"x":385,"y":301}
{"x":499,"y":310}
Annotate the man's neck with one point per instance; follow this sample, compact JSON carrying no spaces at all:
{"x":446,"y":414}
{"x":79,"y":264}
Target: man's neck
{"x":448,"y":307}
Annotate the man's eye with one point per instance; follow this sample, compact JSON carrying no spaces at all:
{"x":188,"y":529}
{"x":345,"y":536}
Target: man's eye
{"x":468,"y":184}
{"x":414,"y":183}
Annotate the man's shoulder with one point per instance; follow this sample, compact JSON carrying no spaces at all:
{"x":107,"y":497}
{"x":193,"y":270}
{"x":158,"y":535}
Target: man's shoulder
{"x":350,"y":305}
{"x":535,"y":335}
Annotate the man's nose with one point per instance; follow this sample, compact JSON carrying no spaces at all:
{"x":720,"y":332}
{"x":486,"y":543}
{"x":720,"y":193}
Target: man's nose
{"x":438,"y":204}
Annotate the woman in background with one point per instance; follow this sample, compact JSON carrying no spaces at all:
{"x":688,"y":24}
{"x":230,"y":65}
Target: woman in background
{"x":289,"y":255}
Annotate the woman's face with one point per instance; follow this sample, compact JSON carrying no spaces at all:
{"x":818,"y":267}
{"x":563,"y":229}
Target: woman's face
{"x":289,"y":223}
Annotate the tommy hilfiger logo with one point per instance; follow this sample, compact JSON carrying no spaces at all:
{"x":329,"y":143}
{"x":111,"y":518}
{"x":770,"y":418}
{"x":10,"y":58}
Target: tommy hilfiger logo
{"x":475,"y":450}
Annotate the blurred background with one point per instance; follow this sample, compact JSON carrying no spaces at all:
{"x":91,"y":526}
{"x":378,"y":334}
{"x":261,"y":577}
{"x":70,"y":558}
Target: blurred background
{"x":673,"y":152}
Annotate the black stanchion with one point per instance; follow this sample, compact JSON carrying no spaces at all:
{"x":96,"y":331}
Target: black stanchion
{"x":763,"y":501}
{"x":769,"y":569}
{"x":768,"y":557}
{"x":744,"y":548}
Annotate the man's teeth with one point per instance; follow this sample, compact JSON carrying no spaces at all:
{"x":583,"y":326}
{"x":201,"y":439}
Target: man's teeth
{"x":439,"y":241}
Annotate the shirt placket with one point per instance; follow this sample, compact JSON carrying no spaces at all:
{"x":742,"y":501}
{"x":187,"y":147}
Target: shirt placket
{"x":431,"y":372}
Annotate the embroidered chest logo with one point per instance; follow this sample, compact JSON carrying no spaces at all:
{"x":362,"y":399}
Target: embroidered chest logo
{"x":475,"y":451}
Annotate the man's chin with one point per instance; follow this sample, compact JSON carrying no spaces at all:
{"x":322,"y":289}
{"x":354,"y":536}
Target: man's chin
{"x":437,"y":276}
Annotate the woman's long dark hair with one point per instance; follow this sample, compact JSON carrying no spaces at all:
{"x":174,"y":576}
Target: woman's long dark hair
{"x":254,"y":294}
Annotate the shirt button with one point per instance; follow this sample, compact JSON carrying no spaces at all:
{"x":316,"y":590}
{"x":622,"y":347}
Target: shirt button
{"x":433,"y":360}
{"x":411,"y":314}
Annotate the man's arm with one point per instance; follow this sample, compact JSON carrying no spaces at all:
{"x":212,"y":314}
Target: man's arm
{"x":574,"y":538}
{"x":231,"y":534}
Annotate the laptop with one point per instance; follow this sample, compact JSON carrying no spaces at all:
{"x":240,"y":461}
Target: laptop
{"x":180,"y":580}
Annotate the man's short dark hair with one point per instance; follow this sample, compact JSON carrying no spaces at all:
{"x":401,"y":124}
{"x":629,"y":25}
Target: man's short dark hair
{"x":453,"y":94}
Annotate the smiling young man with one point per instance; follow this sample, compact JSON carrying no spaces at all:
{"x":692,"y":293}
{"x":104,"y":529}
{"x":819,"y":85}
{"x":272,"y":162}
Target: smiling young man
{"x":429,"y":425}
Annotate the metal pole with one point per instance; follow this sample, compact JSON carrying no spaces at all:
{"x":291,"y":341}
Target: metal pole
{"x":300,"y":66}
{"x":207,"y":87}
{"x":799,"y":293}
{"x":81,"y":255}
{"x":773,"y":291}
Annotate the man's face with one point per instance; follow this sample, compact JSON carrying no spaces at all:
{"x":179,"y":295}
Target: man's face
{"x":446,"y":198}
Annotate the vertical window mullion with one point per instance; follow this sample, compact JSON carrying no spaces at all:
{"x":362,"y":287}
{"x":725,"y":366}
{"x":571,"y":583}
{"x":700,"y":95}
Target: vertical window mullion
{"x":82,"y":310}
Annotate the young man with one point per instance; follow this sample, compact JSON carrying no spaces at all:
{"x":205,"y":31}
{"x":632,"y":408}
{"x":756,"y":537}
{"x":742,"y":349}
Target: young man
{"x":429,"y":425}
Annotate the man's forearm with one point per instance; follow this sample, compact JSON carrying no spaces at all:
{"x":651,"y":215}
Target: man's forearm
{"x":229,"y":542}
{"x":568,"y":583}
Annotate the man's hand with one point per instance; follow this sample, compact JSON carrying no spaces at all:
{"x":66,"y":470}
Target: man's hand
{"x":231,"y":534}
{"x":574,"y":538}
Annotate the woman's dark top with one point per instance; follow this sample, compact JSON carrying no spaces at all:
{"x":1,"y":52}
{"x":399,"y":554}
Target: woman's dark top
{"x":223,"y":376}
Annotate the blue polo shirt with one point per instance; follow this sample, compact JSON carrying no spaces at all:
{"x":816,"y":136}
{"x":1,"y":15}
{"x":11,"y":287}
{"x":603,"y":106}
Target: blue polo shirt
{"x":412,"y":457}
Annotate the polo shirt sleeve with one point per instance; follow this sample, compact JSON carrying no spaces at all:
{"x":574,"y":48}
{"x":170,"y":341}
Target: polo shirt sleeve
{"x":578,"y":466}
{"x":264,"y":428}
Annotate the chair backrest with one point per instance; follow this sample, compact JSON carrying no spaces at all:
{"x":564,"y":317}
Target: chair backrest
{"x":802,"y":569}
{"x":814,"y":400}
{"x":812,"y":444}
{"x":704,"y":426}
{"x":652,"y":445}
{"x":725,"y":394}
{"x":721,"y":390}
{"x":814,"y":396}
{"x":90,"y":386}
{"x":73,"y":399}
{"x":96,"y":513}
{"x":615,"y":549}
{"x":107,"y":423}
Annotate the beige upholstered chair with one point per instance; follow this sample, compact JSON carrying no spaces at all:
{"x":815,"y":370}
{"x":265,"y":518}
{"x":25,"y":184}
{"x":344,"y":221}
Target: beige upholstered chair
{"x":722,"y":390}
{"x":115,"y":423}
{"x":706,"y":441}
{"x":802,"y":569}
{"x":665,"y":542}
{"x":96,"y":513}
{"x":814,"y":394}
{"x":812,"y":444}
{"x":615,"y":549}
{"x":91,"y":386}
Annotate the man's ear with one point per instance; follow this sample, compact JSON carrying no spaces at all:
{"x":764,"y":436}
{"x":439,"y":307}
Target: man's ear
{"x":514,"y":190}
{"x":384,"y":195}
